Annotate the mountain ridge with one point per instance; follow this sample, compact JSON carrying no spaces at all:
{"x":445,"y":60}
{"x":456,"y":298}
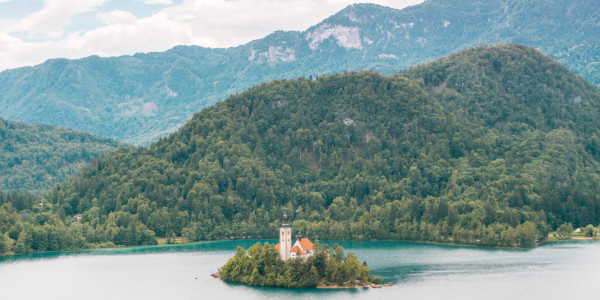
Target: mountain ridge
{"x":142,"y":97}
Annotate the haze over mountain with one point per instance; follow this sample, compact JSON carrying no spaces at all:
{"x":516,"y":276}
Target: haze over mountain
{"x":34,"y":157}
{"x":492,"y":146}
{"x":140,"y":98}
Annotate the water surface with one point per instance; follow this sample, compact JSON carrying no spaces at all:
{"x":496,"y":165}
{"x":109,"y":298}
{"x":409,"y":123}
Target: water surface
{"x":418,"y":271}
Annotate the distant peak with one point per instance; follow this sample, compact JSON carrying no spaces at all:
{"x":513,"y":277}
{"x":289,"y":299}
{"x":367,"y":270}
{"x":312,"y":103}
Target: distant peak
{"x":345,"y":26}
{"x":359,"y":12}
{"x":363,"y":6}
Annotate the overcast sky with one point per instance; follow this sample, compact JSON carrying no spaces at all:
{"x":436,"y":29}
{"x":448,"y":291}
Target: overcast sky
{"x":32,"y":31}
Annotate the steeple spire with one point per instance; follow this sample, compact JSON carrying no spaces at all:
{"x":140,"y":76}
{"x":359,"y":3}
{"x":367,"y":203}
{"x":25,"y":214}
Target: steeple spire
{"x":284,"y":221}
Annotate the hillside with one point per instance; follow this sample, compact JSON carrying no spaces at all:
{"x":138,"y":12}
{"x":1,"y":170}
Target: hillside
{"x":143,"y":97}
{"x":541,"y":150}
{"x":35,"y":157}
{"x":492,"y":146}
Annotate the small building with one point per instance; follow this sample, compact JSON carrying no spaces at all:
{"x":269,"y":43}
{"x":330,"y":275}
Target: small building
{"x":303,"y":247}
{"x":77,"y":217}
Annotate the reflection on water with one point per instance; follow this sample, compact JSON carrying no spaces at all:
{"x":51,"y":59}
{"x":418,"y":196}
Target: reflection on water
{"x":419,"y":271}
{"x":210,"y":246}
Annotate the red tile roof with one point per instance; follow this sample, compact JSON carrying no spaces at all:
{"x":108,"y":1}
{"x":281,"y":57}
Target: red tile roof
{"x":297,"y":249}
{"x":306,"y":244}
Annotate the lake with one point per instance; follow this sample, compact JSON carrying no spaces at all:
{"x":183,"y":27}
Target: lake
{"x":419,"y":271}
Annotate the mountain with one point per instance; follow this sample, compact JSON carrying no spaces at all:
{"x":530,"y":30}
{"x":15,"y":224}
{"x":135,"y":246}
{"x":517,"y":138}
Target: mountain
{"x":34,"y":157}
{"x":139,"y":98}
{"x":491,"y":146}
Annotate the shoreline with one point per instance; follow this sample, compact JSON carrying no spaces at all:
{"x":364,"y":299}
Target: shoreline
{"x":115,"y":248}
{"x":365,"y":286}
{"x":162,"y":244}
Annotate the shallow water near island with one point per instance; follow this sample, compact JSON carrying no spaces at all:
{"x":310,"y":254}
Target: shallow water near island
{"x":418,"y":271}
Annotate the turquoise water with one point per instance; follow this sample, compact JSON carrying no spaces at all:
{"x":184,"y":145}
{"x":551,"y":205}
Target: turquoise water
{"x":418,"y":271}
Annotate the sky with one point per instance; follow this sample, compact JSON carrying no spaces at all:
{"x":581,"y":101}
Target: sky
{"x":32,"y":31}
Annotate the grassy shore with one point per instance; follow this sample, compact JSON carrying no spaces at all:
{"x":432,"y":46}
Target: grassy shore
{"x":554,"y":237}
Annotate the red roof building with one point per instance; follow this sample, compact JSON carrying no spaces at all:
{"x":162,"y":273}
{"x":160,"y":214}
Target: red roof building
{"x":303,"y":247}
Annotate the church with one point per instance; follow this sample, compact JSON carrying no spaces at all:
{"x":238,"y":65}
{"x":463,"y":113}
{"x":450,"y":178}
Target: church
{"x":303,"y":247}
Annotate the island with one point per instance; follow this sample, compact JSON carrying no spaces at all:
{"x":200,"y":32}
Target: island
{"x":303,"y":265}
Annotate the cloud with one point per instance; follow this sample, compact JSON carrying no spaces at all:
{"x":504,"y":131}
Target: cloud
{"x":211,"y":23}
{"x":48,"y":23}
{"x":117,"y":17}
{"x":127,"y":35}
{"x":122,"y":34}
{"x":164,"y":2}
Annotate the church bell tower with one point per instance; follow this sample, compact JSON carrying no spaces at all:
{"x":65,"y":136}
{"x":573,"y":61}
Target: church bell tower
{"x":285,"y":238}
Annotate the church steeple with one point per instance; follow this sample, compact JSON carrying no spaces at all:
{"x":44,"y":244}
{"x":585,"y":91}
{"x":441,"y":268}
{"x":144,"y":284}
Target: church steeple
{"x":284,"y":220}
{"x":285,"y":238}
{"x":301,"y":249}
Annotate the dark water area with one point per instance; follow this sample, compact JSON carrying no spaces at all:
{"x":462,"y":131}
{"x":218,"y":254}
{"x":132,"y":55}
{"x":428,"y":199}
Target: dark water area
{"x":418,"y":271}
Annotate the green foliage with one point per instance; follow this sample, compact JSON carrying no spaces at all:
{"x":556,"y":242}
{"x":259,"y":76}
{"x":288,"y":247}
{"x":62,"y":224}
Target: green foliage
{"x":140,"y":98}
{"x":494,"y":146}
{"x":35,"y":157}
{"x":5,"y":244}
{"x":565,"y":230}
{"x":262,"y":266}
{"x":26,"y":226}
{"x":589,"y":230}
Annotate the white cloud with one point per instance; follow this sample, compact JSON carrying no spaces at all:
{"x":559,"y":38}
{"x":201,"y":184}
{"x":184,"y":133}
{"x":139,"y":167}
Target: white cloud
{"x":117,"y":17}
{"x":165,"y":2}
{"x":212,"y":23}
{"x":155,"y":33}
{"x":48,"y":23}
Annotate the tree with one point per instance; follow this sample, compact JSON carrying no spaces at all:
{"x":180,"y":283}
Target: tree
{"x":255,"y":278}
{"x":352,"y":268}
{"x":589,"y":230}
{"x":22,"y":245}
{"x":5,"y":243}
{"x":332,"y":271}
{"x":565,"y":230}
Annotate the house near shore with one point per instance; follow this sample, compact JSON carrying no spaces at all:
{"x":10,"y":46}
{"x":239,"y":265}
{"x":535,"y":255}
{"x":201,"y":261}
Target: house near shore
{"x":302,"y":248}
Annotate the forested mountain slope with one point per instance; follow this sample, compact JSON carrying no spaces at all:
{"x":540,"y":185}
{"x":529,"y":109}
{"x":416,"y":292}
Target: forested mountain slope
{"x":492,"y":146}
{"x":140,"y":98}
{"x":35,"y":157}
{"x":541,"y":148}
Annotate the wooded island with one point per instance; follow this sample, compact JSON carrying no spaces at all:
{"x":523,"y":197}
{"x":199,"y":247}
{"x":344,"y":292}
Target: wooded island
{"x":261,"y":265}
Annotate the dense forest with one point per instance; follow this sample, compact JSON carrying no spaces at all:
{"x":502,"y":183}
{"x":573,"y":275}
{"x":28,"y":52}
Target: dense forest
{"x":35,"y":157}
{"x":493,"y":146}
{"x":28,"y":224}
{"x":261,"y":265}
